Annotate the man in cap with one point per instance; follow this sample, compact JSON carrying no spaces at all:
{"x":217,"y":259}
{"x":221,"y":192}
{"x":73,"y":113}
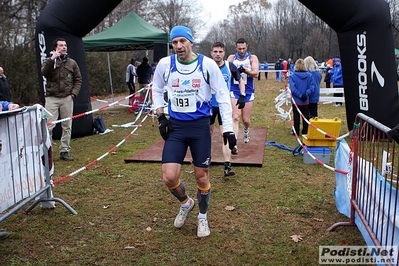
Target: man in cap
{"x":191,"y":79}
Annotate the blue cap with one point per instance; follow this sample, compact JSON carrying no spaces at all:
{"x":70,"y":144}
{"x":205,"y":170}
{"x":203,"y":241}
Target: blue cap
{"x":181,"y":31}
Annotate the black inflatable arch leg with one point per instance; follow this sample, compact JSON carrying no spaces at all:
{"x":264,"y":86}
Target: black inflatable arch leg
{"x":71,"y":20}
{"x":367,"y":55}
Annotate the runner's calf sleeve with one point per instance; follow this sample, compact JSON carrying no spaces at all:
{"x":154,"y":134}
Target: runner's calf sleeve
{"x":203,"y":196}
{"x":179,"y":191}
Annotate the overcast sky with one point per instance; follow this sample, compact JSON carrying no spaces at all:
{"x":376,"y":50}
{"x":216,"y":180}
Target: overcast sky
{"x":217,"y":8}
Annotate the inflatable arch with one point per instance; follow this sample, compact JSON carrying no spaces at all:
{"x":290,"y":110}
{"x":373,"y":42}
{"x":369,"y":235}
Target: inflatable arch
{"x":71,"y":20}
{"x":367,"y":55}
{"x":364,"y":34}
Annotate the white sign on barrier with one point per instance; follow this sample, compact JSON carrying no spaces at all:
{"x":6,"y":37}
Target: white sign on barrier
{"x":21,"y":167}
{"x":330,"y":99}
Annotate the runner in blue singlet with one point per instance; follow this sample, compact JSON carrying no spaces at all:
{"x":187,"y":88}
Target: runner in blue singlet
{"x":230,"y":74}
{"x":248,"y":64}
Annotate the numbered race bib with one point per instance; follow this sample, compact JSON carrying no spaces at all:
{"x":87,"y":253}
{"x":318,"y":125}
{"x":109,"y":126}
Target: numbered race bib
{"x":183,"y":102}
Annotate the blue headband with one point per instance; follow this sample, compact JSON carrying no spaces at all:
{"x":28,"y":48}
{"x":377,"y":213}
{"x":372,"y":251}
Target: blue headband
{"x":181,"y":31}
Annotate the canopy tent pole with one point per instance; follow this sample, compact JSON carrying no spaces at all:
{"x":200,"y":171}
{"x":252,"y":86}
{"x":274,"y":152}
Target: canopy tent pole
{"x":110,"y":77}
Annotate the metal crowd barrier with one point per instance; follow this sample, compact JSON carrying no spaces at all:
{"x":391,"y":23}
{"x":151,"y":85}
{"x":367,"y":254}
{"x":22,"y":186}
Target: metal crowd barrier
{"x":373,"y":188}
{"x":26,"y":165}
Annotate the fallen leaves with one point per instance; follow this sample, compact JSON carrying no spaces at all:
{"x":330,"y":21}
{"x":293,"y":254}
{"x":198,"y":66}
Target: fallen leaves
{"x":296,"y":238}
{"x":344,"y":243}
{"x":136,"y":245}
{"x":229,"y":208}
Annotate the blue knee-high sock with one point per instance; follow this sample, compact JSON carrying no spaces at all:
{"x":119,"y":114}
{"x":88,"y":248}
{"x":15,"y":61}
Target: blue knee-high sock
{"x":203,"y":196}
{"x":179,"y":191}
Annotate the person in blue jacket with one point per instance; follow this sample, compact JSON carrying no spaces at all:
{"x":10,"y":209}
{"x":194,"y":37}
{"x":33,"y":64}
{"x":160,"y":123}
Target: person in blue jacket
{"x":301,"y":86}
{"x":314,"y":97}
{"x":291,"y":65}
{"x":8,"y":106}
{"x":266,"y":68}
{"x":337,"y":79}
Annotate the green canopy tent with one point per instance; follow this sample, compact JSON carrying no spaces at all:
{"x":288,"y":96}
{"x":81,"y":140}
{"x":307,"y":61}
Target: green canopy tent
{"x":130,"y":33}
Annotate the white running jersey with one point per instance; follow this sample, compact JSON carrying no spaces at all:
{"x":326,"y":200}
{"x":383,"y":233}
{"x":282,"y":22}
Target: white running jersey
{"x":190,"y":87}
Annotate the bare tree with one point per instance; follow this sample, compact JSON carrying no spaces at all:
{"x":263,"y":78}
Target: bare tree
{"x":17,"y":26}
{"x":126,"y":6}
{"x":394,"y":10}
{"x":18,"y":20}
{"x":248,"y":19}
{"x":166,"y":14}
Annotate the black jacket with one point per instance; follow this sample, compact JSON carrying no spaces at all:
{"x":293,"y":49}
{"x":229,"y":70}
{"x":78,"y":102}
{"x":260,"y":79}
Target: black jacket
{"x":144,"y":72}
{"x":327,"y":78}
{"x":5,"y":93}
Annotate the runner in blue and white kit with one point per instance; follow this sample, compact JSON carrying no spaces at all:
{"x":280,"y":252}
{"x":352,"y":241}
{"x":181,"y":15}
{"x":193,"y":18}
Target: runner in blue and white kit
{"x":230,"y":74}
{"x":190,"y":79}
{"x":248,"y":64}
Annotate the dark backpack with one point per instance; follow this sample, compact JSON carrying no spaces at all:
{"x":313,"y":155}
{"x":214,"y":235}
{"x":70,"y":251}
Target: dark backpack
{"x":98,"y":125}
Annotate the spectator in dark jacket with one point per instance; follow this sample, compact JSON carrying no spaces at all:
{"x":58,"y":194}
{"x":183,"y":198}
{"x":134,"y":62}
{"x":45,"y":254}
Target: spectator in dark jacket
{"x":327,"y":77}
{"x":278,"y":67}
{"x":5,"y":92}
{"x":144,"y":72}
{"x":301,"y":86}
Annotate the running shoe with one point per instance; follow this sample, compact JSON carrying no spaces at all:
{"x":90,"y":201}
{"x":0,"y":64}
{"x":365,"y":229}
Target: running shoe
{"x":246,"y":135}
{"x":182,"y":216}
{"x":203,"y":228}
{"x":234,"y":151}
{"x":228,"y":171}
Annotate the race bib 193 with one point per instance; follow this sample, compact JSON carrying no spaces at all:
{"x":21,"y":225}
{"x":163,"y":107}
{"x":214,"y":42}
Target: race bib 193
{"x":183,"y":102}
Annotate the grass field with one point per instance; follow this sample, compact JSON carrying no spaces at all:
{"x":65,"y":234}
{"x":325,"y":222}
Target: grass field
{"x":125,"y":213}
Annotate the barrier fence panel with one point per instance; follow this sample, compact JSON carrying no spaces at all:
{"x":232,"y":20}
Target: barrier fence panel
{"x":373,"y":187}
{"x":26,"y":164}
{"x":325,"y":92}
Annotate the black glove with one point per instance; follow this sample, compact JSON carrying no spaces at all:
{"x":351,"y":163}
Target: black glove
{"x":241,"y":69}
{"x":304,"y":97}
{"x":393,"y":134}
{"x":164,"y":126}
{"x":231,"y":137}
{"x":241,"y":102}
